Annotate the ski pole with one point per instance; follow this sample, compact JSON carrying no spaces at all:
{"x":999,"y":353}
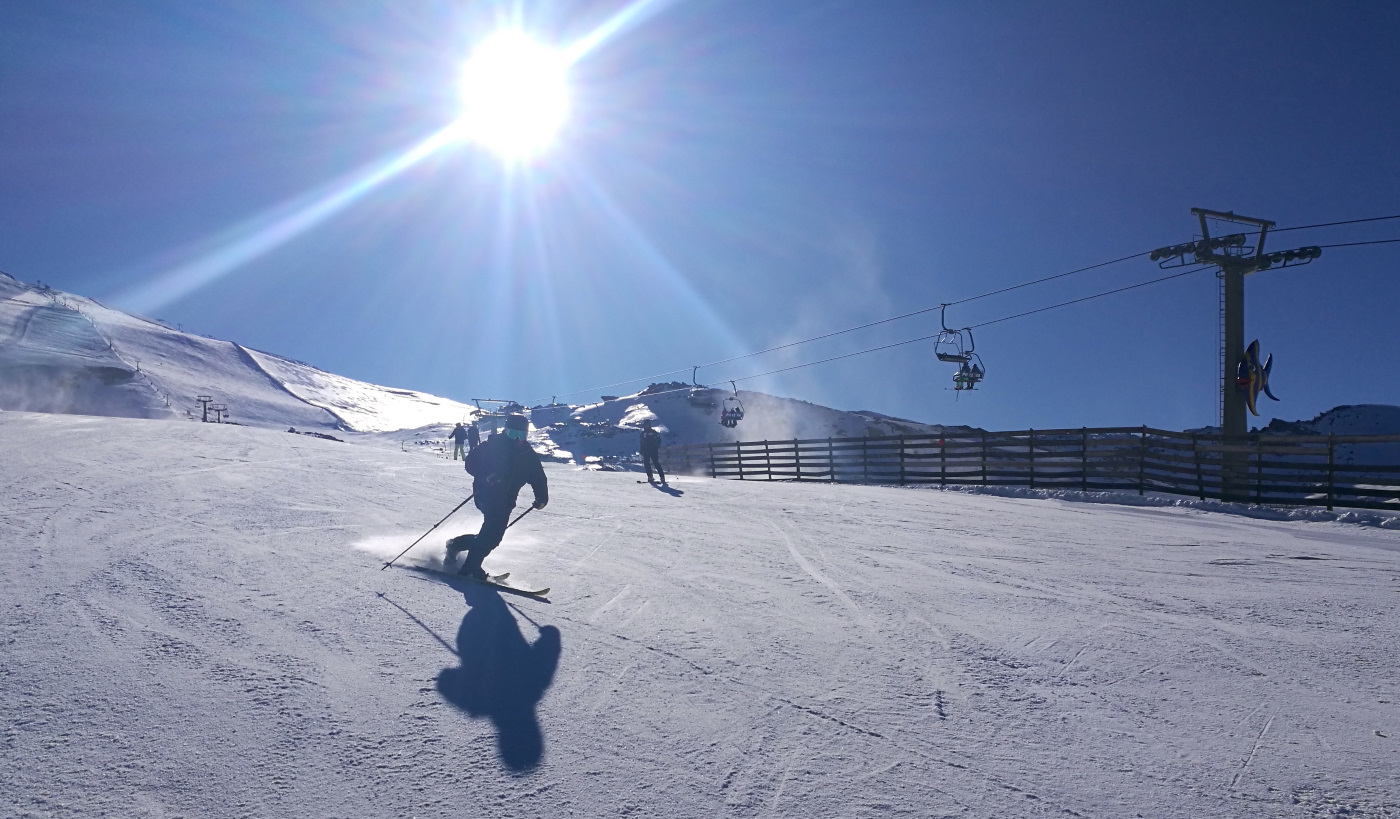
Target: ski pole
{"x":519,"y":516}
{"x":430,"y":531}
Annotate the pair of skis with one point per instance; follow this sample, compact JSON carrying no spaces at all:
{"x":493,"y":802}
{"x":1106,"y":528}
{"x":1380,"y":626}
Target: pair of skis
{"x":495,"y":581}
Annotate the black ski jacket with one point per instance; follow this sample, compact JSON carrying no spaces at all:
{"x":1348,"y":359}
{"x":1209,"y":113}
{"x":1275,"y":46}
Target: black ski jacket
{"x":500,"y":468}
{"x":459,"y":434}
{"x":473,"y":436}
{"x":651,"y":442}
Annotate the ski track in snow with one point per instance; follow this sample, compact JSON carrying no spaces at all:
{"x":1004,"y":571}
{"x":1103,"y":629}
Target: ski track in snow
{"x":814,"y":574}
{"x":194,"y":623}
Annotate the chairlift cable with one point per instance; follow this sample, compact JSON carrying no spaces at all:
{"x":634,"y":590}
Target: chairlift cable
{"x":988,"y":294}
{"x":1046,"y":279}
{"x":1096,"y":295}
{"x":983,"y":324}
{"x":1354,"y":244}
{"x":1334,"y":224}
{"x":929,"y":309}
{"x":867,"y":325}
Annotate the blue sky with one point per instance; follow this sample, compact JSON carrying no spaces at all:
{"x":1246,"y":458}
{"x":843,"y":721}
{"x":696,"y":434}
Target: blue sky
{"x":732,"y":176}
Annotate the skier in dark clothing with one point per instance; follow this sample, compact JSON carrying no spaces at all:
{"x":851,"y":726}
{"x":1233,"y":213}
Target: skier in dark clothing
{"x":651,"y":451}
{"x":473,"y":436}
{"x":500,"y":468}
{"x":457,"y":436}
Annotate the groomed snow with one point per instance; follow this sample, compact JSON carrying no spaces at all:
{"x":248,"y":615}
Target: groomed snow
{"x":195,"y":624}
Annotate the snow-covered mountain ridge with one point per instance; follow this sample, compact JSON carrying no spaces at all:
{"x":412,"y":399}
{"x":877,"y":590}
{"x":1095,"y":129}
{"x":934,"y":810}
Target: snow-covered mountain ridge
{"x":64,"y":353}
{"x":1348,"y":419}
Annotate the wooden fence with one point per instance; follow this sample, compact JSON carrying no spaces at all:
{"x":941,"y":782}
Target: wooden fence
{"x":1330,"y":470}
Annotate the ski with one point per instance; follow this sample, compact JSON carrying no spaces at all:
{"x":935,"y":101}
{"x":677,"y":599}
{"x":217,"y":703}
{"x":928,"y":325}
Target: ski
{"x":493,"y":580}
{"x":538,"y":593}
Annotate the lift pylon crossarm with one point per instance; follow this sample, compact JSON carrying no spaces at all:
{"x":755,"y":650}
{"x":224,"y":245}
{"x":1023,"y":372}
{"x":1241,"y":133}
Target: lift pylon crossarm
{"x":1178,"y":253}
{"x":1229,"y":216}
{"x":1290,"y":258}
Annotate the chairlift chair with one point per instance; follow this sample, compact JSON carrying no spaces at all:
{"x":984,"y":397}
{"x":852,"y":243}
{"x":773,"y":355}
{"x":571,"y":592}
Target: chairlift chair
{"x":949,"y":346}
{"x":960,"y":348}
{"x":969,"y":373}
{"x":700,"y":395}
{"x":732,"y":411}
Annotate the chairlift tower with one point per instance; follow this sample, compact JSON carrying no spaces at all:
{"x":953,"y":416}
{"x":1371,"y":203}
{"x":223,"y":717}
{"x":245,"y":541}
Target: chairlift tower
{"x":494,"y":413}
{"x":204,"y":401}
{"x":1235,"y":260}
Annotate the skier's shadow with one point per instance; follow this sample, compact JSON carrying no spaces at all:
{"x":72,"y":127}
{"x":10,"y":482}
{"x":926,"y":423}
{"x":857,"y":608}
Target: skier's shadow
{"x":502,"y":676}
{"x":673,"y":492}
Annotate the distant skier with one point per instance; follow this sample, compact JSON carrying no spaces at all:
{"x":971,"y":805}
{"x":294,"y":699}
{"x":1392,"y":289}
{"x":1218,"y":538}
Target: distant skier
{"x":651,"y":451}
{"x":459,"y":437}
{"x":473,"y":436}
{"x":500,"y":467}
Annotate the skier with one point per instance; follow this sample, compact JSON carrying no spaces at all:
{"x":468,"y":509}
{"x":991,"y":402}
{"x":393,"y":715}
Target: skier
{"x":458,"y":436}
{"x":651,"y":451}
{"x":500,"y":468}
{"x":473,"y":436}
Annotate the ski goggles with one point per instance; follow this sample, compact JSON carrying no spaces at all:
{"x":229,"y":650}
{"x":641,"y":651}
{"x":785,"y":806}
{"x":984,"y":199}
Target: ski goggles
{"x":515,"y":434}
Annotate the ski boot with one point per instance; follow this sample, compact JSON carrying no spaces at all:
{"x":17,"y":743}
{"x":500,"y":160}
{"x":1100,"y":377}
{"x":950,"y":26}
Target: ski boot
{"x":457,"y":545}
{"x":474,"y":573}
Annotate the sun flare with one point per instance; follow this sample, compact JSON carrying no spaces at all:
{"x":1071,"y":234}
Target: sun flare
{"x":514,"y":95}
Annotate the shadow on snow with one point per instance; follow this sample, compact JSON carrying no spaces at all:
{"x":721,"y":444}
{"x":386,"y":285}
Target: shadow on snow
{"x":502,"y":676}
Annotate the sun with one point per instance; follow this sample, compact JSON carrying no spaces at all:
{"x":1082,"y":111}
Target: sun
{"x":514,"y":95}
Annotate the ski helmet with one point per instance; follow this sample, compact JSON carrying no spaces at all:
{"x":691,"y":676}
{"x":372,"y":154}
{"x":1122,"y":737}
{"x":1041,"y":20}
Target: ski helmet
{"x":517,"y":427}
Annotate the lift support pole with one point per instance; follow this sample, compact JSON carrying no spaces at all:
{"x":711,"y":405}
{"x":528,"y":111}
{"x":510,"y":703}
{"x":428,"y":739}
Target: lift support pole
{"x":1235,"y":259}
{"x":1234,"y":424}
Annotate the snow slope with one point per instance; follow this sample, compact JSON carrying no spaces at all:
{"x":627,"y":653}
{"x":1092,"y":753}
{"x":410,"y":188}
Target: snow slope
{"x":611,"y":428}
{"x":1353,"y":419}
{"x":65,"y":353}
{"x":194,"y":624}
{"x":360,"y":406}
{"x":1349,"y":419}
{"x":53,"y":359}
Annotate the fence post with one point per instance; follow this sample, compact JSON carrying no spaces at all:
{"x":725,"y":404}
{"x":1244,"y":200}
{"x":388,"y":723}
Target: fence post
{"x":1331,"y":460}
{"x":942,"y":461}
{"x":831,"y":458}
{"x":901,"y":460}
{"x":1030,"y":450}
{"x":984,"y":457}
{"x":713,"y":472}
{"x":865,"y":458}
{"x":1142,"y":460}
{"x":1259,"y":468}
{"x":1083,"y":459}
{"x":796,"y":459}
{"x":1200,"y":480}
{"x":767,"y":459}
{"x":739,"y":454}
